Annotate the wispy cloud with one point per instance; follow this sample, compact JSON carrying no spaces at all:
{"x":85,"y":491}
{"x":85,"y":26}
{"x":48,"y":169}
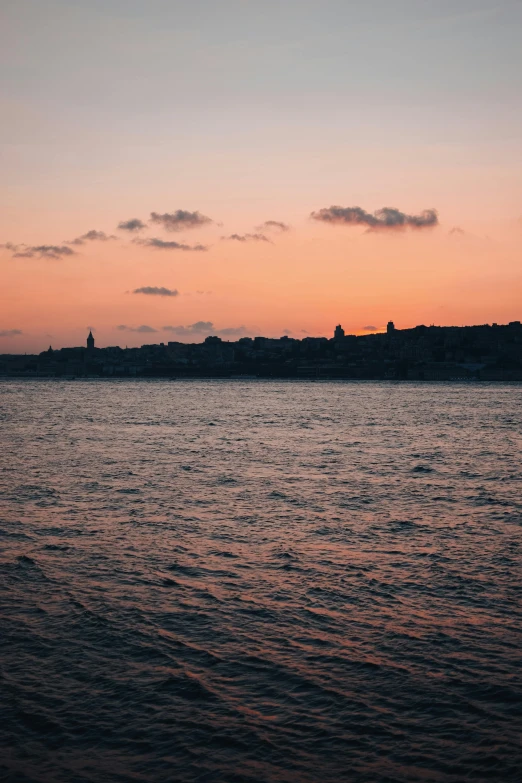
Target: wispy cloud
{"x":370,"y":328}
{"x":206,"y":329}
{"x":273,"y":225}
{"x":153,"y":290}
{"x":38,"y":251}
{"x":232,"y":331}
{"x":134,"y":224}
{"x":92,"y":236}
{"x":200,"y":327}
{"x":161,"y":244}
{"x":180,"y":220}
{"x":10,"y":332}
{"x":247,"y":238}
{"x":387,"y":218}
{"x":144,"y":328}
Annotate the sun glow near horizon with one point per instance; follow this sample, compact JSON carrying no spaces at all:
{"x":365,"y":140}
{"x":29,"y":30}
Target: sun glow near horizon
{"x":273,"y":194}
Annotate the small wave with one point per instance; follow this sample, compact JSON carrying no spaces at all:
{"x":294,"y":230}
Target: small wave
{"x":25,"y":560}
{"x":56,"y":547}
{"x":188,"y":688}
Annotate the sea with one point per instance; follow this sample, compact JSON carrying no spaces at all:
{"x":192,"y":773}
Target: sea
{"x":252,"y":581}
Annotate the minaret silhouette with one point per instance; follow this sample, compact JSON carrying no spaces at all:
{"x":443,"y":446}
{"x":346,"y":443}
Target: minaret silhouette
{"x":90,"y":342}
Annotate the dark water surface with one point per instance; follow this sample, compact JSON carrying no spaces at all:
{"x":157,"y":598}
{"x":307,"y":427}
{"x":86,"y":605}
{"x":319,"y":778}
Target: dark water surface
{"x":249,"y":581}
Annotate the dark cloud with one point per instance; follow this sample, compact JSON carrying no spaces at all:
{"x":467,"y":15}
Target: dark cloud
{"x":200,"y":327}
{"x":10,"y":332}
{"x":161,"y":244}
{"x":385,"y":218}
{"x":370,"y":328}
{"x":232,"y":331}
{"x":143,"y":328}
{"x":248,"y":238}
{"x":153,"y":290}
{"x":273,"y":225}
{"x":92,"y":236}
{"x":206,"y":329}
{"x":134,"y":224}
{"x":52,"y":251}
{"x":180,"y":220}
{"x":38,"y":251}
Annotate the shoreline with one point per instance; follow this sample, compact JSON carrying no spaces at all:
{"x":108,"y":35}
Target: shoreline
{"x":263,"y":379}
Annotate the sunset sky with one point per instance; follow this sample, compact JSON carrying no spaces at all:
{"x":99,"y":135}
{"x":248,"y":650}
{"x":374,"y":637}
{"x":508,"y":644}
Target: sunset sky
{"x":203,"y":120}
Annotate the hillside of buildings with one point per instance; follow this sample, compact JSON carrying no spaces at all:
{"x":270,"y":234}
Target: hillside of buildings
{"x":486,"y":352}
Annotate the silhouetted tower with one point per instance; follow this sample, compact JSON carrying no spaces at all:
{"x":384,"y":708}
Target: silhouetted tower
{"x":90,"y":342}
{"x":339,"y":332}
{"x":391,"y":327}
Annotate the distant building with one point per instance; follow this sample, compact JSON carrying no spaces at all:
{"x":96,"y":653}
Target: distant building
{"x":479,"y":352}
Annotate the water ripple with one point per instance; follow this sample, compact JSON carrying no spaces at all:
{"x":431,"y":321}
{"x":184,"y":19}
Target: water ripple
{"x":250,"y":581}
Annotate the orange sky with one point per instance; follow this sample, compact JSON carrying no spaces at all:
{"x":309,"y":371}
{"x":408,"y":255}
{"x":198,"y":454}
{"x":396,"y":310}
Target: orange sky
{"x":146,"y":110}
{"x":310,"y":278}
